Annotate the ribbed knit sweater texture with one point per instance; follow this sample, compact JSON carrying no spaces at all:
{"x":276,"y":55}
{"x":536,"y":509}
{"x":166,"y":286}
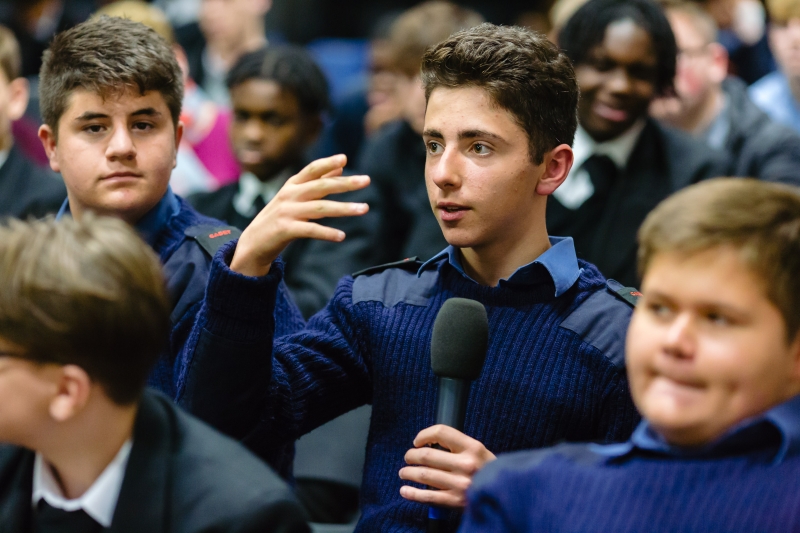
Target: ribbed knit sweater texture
{"x":541,"y":384}
{"x":570,"y":489}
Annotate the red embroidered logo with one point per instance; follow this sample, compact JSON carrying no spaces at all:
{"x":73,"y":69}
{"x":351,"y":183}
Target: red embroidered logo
{"x":219,"y":234}
{"x":636,"y":293}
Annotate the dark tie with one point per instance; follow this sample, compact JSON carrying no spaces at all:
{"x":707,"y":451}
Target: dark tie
{"x":49,"y":519}
{"x":258,"y":205}
{"x":602,"y":172}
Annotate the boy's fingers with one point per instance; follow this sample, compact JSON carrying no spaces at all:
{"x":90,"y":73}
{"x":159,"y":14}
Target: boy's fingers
{"x":445,"y":436}
{"x":432,"y":477}
{"x":314,"y":190}
{"x":320,"y":167}
{"x":326,"y":208}
{"x":432,"y":457}
{"x":440,"y":498}
{"x":312,"y":230}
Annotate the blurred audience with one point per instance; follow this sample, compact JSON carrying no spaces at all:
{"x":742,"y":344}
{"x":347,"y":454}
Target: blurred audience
{"x":778,"y":94}
{"x":26,"y":189}
{"x":624,"y":54}
{"x":279,"y":96}
{"x":226,"y":30}
{"x":715,"y":108}
{"x":394,"y":157}
{"x":205,"y":159}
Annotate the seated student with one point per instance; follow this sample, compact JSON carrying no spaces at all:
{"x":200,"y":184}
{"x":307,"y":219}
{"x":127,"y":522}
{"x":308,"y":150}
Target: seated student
{"x":778,"y":93}
{"x":625,"y":163}
{"x":714,"y":107}
{"x":713,"y":355}
{"x":111,"y":129}
{"x":500,"y":117}
{"x":394,"y":157}
{"x":278,"y":95}
{"x":83,"y":316}
{"x":26,"y":189}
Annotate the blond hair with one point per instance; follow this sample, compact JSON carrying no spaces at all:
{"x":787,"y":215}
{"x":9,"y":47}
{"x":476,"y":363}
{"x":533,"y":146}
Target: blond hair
{"x":781,"y":11}
{"x":89,"y":293}
{"x":760,"y":219}
{"x":10,"y":57}
{"x":140,"y":11}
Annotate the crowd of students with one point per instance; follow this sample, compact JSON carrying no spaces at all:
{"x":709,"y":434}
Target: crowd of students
{"x":526,"y":173}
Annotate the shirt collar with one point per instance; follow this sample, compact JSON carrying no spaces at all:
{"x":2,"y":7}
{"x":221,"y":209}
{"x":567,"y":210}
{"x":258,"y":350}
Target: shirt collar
{"x":152,"y":222}
{"x":250,"y":188}
{"x":784,"y":417}
{"x":618,"y":150}
{"x":559,"y":260}
{"x":717,"y":132}
{"x":4,"y":157}
{"x":98,"y":502}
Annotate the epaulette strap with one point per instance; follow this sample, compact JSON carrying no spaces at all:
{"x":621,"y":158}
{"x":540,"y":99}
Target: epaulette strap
{"x":409,"y":263}
{"x":630,"y":295}
{"x":211,"y":238}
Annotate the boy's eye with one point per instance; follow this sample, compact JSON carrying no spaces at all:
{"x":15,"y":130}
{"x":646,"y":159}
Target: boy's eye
{"x":480,"y":149}
{"x":718,"y":319}
{"x":93,"y":128}
{"x":659,"y":310}
{"x":434,"y":147}
{"x":142,"y":126}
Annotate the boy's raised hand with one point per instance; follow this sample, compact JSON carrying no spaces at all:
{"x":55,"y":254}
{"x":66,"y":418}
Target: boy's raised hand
{"x":289,"y":215}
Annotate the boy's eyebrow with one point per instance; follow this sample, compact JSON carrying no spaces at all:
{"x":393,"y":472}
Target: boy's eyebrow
{"x":466,"y":134}
{"x":94,"y":115}
{"x":436,"y":134}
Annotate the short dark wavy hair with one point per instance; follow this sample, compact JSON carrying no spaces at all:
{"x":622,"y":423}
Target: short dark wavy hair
{"x":292,"y":68}
{"x":523,"y":73}
{"x":586,"y":29}
{"x":107,"y":56}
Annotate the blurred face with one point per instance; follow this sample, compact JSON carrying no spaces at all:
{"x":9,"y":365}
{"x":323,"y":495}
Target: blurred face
{"x":784,"y":40}
{"x":701,"y":67}
{"x":706,"y":349}
{"x":411,"y":95}
{"x":13,"y":101}
{"x":269,"y":131}
{"x":25,"y":395}
{"x":115,"y":154}
{"x":617,"y":81}
{"x":482,"y":184}
{"x":227,"y":22}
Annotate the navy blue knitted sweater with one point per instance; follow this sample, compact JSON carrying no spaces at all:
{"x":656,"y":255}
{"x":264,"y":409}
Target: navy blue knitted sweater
{"x":577,"y":488}
{"x":542,"y":382}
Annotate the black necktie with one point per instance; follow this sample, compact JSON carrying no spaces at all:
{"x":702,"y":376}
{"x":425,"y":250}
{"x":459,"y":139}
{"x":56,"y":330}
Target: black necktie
{"x":49,"y":519}
{"x":602,"y":172}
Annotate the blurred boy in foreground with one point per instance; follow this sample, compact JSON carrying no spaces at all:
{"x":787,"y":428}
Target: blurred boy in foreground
{"x":83,"y":316}
{"x":713,"y":357}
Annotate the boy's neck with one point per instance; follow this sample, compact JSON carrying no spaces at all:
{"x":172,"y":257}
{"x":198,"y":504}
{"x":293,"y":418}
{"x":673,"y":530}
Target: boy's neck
{"x":489,"y":264}
{"x":81,"y":450}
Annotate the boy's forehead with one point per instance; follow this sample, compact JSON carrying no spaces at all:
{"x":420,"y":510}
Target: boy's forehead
{"x":112,"y":101}
{"x":470,"y":108}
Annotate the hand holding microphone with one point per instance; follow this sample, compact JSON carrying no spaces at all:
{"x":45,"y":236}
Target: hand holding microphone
{"x":458,"y":350}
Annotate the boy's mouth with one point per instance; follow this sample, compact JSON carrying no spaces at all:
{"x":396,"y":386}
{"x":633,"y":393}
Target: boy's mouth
{"x":125,"y":174}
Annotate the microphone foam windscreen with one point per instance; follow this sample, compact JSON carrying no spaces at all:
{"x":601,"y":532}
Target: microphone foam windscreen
{"x":460,"y":338}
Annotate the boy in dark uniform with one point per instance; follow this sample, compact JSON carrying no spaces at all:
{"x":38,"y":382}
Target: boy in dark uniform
{"x":501,"y":113}
{"x":83,"y":316}
{"x":713,"y":355}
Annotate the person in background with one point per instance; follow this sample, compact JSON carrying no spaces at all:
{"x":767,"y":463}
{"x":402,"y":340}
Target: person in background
{"x":394,"y":156}
{"x":205,"y":159}
{"x":279,"y":95}
{"x":714,"y":107}
{"x":501,"y":112}
{"x":26,"y":189}
{"x":713,"y":357}
{"x":778,"y":93}
{"x":624,"y":54}
{"x":226,"y":30}
{"x":84,"y":315}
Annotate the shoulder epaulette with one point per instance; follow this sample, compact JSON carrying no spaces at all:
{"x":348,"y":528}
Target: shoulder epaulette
{"x":409,"y":263}
{"x":629,"y":295}
{"x":211,"y":238}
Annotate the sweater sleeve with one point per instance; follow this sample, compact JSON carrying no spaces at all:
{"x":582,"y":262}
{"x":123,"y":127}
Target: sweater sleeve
{"x":268,"y":401}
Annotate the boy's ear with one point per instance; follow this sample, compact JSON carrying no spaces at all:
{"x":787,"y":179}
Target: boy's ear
{"x":178,"y":137}
{"x":19,"y":92}
{"x":73,"y":388}
{"x":557,"y":163}
{"x":48,"y":138}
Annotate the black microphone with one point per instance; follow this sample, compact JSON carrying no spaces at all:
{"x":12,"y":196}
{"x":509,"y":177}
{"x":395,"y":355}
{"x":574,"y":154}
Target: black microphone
{"x":458,"y":350}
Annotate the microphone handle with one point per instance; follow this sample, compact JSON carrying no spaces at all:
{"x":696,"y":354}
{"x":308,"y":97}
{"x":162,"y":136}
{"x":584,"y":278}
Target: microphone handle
{"x":451,"y":410}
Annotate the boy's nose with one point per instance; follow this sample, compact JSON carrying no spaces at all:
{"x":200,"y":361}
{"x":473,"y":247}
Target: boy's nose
{"x":445,"y":172}
{"x":121,"y":145}
{"x":680,"y":338}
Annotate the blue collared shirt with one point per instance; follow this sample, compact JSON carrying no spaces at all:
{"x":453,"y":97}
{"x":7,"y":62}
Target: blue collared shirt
{"x":152,"y":222}
{"x":749,"y":434}
{"x":559,"y":260}
{"x":773,"y":95}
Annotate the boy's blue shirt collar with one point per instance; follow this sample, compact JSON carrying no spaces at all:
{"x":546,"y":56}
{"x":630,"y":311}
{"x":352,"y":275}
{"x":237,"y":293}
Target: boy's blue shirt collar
{"x":559,"y":260}
{"x":784,"y":417}
{"x":152,"y":222}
